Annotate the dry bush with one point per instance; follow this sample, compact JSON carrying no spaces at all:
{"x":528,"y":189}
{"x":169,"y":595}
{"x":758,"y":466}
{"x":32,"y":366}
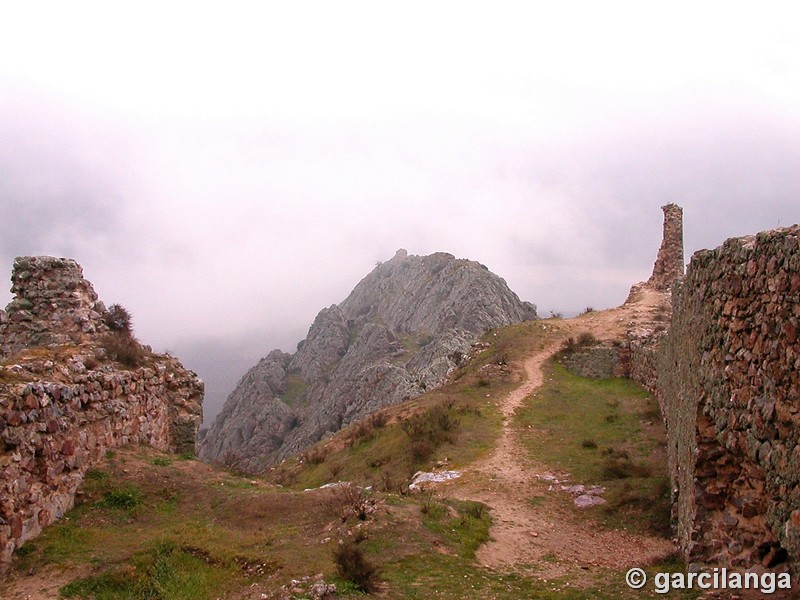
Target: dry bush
{"x":314,"y":456}
{"x":393,"y":482}
{"x":621,"y":468}
{"x":353,"y":567}
{"x":378,"y":419}
{"x":351,"y":501}
{"x":117,"y":318}
{"x":585,"y":340}
{"x":124,"y":348}
{"x":364,"y":430}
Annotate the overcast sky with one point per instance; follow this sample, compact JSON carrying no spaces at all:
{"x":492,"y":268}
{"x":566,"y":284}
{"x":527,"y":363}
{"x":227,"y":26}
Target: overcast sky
{"x":226,"y":173}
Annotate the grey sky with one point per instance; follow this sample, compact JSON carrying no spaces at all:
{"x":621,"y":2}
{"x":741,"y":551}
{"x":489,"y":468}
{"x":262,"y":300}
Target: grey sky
{"x":225,"y":175}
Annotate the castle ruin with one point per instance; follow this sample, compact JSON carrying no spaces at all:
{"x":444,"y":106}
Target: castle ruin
{"x":64,"y":401}
{"x":669,"y":262}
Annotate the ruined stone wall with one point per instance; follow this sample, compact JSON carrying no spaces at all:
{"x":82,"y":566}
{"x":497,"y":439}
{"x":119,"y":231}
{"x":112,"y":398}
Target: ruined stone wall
{"x":643,"y":363}
{"x":599,"y":362}
{"x":729,"y":380}
{"x":64,"y":403}
{"x":669,"y":262}
{"x":53,"y":304}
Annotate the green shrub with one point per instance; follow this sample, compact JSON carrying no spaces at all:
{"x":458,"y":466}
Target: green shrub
{"x":429,"y":429}
{"x":126,"y":498}
{"x":435,"y":424}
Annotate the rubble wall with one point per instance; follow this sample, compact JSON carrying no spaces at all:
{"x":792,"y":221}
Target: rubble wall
{"x":52,"y":304}
{"x":64,"y":402}
{"x":729,"y":381}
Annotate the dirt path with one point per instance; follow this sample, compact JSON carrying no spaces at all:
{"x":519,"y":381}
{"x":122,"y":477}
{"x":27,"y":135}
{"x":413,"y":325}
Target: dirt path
{"x":550,"y":539}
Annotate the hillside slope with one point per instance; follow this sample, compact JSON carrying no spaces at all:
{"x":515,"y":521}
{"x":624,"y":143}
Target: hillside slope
{"x":402,"y":329}
{"x":148,"y":522}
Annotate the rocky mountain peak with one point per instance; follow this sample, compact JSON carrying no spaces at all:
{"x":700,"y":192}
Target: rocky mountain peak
{"x":398,"y":334}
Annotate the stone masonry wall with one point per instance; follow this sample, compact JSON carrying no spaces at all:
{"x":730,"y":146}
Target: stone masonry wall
{"x":599,"y":362}
{"x":643,"y":343}
{"x":643,"y":366}
{"x":669,"y":262}
{"x":64,"y":403}
{"x":729,"y":381}
{"x":53,"y":304}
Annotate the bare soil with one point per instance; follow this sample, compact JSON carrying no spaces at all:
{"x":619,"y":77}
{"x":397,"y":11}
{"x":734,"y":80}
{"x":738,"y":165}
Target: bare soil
{"x":550,"y":538}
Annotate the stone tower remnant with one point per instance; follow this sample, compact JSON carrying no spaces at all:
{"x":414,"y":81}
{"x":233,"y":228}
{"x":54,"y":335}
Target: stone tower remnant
{"x":65,"y":400}
{"x":53,"y":304}
{"x":669,"y":262}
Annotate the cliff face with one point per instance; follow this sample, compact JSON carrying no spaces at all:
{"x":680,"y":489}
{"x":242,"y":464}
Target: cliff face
{"x":65,"y":399}
{"x":398,"y":334}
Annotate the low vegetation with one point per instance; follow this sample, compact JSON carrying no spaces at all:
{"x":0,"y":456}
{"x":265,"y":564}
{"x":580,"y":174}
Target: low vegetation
{"x":452,"y":425}
{"x":584,"y":340}
{"x":600,"y":431}
{"x":122,"y":347}
{"x":152,"y":526}
{"x":352,"y":566}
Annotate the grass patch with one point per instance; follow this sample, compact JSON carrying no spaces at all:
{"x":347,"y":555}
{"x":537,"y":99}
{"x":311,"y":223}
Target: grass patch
{"x":569,"y":415}
{"x":126,"y":498}
{"x":167,"y":572}
{"x":295,"y":389}
{"x":467,"y":530}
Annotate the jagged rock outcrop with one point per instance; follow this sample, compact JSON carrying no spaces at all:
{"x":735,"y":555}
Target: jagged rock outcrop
{"x":399,"y":333}
{"x":65,"y":401}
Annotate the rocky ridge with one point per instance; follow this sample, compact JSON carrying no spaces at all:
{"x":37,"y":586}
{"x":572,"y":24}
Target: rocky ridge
{"x":400,"y":332}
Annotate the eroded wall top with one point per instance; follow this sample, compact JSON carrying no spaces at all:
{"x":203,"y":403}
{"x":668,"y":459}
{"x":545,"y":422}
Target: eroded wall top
{"x":53,"y":304}
{"x":669,"y":262}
